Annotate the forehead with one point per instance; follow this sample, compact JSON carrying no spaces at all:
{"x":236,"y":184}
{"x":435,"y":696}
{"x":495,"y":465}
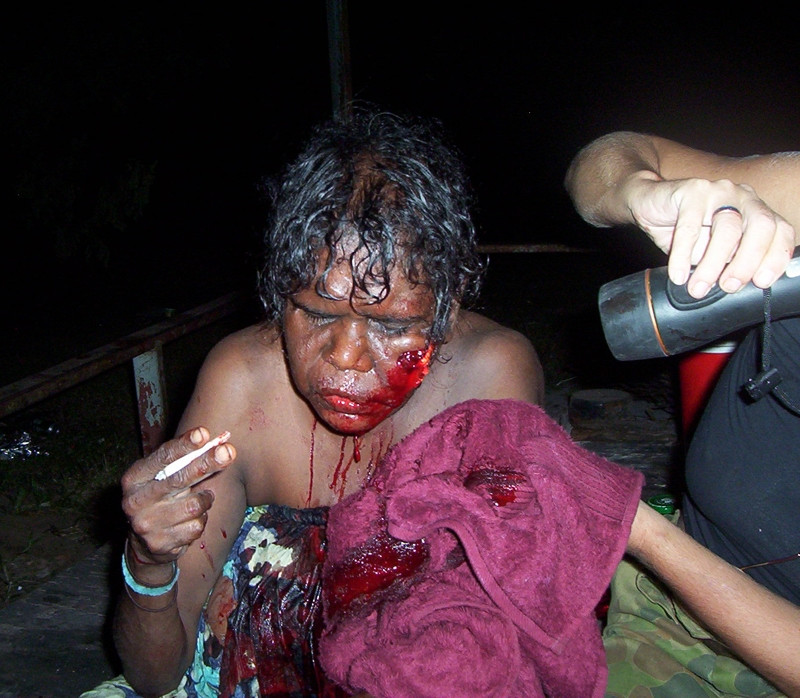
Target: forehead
{"x":402,"y":297}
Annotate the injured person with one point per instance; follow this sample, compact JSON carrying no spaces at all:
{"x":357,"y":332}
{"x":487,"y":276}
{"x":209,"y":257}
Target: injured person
{"x":392,"y":514}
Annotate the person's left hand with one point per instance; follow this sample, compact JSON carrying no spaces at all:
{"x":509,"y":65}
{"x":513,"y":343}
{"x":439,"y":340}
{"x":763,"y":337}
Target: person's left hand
{"x":723,"y":229}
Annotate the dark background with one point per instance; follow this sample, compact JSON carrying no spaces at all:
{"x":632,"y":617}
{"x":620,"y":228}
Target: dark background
{"x":135,"y":139}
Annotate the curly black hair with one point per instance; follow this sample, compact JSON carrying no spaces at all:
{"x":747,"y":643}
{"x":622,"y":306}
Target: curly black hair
{"x":395,"y":186}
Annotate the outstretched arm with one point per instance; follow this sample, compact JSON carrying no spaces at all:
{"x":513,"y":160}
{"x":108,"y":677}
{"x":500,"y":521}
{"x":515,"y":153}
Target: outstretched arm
{"x":761,"y":627}
{"x":735,"y":218}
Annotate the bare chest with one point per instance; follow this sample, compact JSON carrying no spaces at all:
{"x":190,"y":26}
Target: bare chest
{"x":291,"y":457}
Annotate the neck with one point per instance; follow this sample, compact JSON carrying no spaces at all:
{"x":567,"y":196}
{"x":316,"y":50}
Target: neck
{"x":341,"y":463}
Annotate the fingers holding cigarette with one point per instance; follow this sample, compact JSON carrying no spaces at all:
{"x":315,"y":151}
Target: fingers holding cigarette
{"x":180,"y":463}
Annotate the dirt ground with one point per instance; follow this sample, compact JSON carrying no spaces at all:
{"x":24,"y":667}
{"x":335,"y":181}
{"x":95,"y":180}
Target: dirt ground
{"x":64,"y":502}
{"x":35,"y":546}
{"x":59,"y":505}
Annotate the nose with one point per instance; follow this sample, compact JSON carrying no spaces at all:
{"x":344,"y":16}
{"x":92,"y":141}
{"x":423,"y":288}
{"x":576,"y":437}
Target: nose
{"x":349,"y":346}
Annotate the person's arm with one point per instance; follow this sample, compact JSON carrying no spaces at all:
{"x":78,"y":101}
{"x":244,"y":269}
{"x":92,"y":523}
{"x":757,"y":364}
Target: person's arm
{"x":179,"y":519}
{"x":675,"y":193}
{"x":758,"y":625}
{"x":154,"y":635}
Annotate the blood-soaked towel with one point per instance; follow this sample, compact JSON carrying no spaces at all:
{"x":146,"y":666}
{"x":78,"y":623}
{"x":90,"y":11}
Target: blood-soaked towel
{"x":471,"y":564}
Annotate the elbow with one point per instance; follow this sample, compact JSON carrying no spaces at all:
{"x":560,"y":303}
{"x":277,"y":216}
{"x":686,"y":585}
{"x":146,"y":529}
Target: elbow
{"x":153,"y":673}
{"x":151,"y":686}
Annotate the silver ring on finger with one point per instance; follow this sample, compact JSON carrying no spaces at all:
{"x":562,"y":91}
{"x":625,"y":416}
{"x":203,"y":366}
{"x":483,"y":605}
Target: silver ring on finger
{"x":723,"y":209}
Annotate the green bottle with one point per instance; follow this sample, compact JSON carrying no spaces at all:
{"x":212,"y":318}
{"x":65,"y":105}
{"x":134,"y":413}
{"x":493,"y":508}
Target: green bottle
{"x":663,"y":503}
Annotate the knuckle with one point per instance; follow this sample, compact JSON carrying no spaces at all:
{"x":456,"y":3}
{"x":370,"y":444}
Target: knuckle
{"x":196,"y":527}
{"x":128,"y":480}
{"x":141,"y":527}
{"x":786,"y":230}
{"x":167,"y":452}
{"x":128,"y":508}
{"x":195,"y":506}
{"x":699,"y":183}
{"x":183,"y":477}
{"x":159,"y":543}
{"x":133,"y":502}
{"x":724,"y":184}
{"x":763,"y":217}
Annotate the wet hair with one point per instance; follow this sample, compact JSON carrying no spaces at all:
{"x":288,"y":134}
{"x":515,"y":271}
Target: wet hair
{"x":389,"y":190}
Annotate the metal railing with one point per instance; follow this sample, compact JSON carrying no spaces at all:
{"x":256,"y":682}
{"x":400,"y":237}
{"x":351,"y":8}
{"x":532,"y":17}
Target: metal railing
{"x":143,"y":348}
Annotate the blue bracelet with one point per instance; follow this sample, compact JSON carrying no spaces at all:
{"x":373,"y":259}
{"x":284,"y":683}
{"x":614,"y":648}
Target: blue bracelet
{"x":141,"y":588}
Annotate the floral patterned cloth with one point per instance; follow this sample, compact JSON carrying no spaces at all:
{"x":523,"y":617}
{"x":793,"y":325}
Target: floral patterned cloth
{"x":271,"y":580}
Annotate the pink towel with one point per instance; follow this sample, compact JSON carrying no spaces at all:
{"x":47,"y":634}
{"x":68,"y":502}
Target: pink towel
{"x":473,"y":561}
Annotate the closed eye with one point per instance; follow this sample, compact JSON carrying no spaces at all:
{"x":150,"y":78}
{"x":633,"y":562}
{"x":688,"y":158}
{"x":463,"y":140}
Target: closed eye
{"x":316,"y":318}
{"x":392,"y":328}
{"x":313,"y":317}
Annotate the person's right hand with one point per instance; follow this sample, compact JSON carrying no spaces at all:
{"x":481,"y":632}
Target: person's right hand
{"x":723,"y":229}
{"x":166,"y":516}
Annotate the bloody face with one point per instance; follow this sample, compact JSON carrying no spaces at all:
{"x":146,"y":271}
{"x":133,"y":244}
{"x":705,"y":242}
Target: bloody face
{"x":356,"y":361}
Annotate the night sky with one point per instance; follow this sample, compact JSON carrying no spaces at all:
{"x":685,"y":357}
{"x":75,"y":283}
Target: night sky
{"x":135,"y":142}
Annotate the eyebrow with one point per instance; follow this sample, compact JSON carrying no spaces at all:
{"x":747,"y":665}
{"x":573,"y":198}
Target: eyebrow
{"x":401,"y":320}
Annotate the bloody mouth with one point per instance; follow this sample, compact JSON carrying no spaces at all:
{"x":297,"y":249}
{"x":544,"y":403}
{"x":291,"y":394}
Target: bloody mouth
{"x":359,"y":413}
{"x":350,"y":405}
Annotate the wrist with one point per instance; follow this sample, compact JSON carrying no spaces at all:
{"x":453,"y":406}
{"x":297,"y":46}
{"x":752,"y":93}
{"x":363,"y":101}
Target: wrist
{"x":620,"y":199}
{"x":147,"y":578}
{"x":646,"y":175}
{"x":642,"y":539}
{"x":634,"y":188}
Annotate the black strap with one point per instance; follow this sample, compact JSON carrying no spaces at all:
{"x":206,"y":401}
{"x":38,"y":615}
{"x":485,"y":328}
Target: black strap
{"x":767,"y":382}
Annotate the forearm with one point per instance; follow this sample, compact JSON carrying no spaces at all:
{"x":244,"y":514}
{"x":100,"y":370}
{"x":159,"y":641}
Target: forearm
{"x":150,"y":635}
{"x":759,"y":626}
{"x":596,"y":176}
{"x":152,"y":648}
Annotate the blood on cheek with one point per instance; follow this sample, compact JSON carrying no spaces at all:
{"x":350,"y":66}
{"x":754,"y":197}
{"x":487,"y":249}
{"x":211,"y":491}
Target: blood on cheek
{"x":408,"y":372}
{"x":411,"y":368}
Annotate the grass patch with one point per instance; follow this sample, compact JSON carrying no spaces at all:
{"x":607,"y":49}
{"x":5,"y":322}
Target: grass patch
{"x":80,"y":443}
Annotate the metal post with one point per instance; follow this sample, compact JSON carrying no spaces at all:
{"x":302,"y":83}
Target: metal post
{"x":339,"y":57}
{"x":148,"y":369}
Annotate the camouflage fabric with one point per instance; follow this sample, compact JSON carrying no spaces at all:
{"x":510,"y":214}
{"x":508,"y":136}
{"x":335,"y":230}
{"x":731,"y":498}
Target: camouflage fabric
{"x":655,"y":649}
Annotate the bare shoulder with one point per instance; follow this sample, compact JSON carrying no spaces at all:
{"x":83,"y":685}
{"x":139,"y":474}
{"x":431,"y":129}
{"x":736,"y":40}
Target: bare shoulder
{"x":250,"y":345}
{"x":490,"y":361}
{"x":243,"y":364}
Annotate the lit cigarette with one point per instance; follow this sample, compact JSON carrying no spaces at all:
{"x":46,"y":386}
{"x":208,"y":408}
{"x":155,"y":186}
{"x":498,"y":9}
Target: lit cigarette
{"x":183,"y":461}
